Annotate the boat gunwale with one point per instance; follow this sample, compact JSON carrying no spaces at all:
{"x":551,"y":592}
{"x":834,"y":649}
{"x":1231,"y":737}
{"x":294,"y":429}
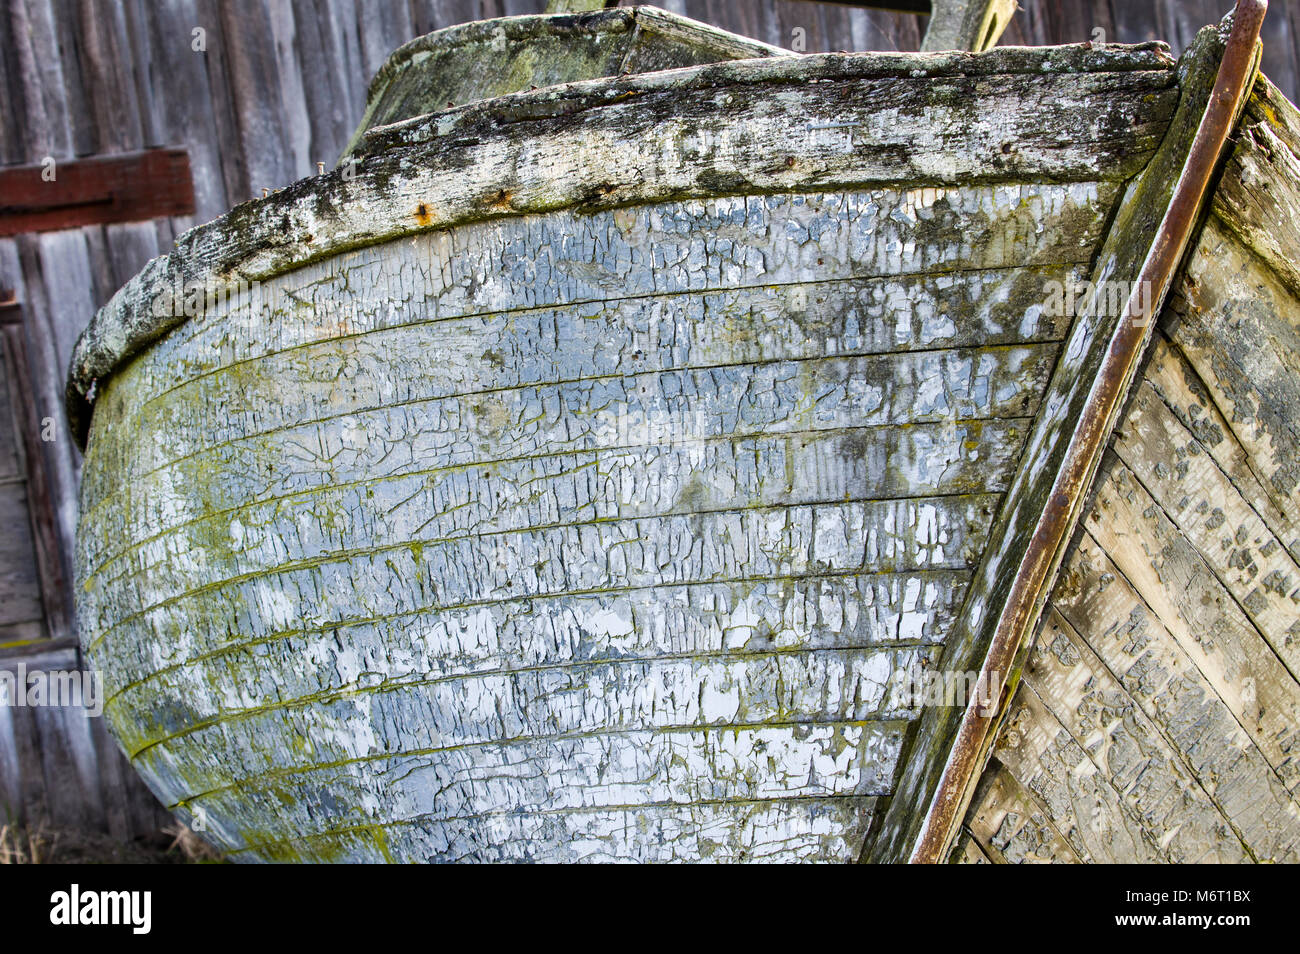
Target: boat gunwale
{"x":221,"y":254}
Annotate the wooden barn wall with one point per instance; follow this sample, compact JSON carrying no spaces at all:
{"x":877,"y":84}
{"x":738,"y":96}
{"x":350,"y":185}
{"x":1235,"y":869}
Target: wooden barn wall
{"x":279,"y":86}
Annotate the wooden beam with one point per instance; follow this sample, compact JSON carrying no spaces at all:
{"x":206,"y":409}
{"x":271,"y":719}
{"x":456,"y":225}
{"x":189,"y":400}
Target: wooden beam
{"x":55,"y":590}
{"x":971,"y":25}
{"x":67,"y":194}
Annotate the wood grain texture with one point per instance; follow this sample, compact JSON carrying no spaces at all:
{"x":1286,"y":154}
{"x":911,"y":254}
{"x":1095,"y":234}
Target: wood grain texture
{"x":485,"y":59}
{"x":549,"y":150}
{"x":185,"y":98}
{"x":1180,"y":599}
{"x":1047,"y":494}
{"x":552,"y":570}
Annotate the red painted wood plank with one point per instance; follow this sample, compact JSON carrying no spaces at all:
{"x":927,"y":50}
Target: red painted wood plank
{"x":125,"y":188}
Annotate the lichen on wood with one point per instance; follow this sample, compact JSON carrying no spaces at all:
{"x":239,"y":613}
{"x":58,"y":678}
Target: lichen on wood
{"x":587,"y":522}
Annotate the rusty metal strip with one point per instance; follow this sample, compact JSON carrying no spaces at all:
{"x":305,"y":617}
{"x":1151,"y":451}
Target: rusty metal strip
{"x":965,"y":759}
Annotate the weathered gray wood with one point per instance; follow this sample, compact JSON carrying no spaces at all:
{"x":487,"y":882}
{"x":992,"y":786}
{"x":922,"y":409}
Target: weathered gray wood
{"x":288,"y":230}
{"x":103,"y":53}
{"x":1260,"y":199}
{"x":178,"y":77}
{"x":1185,"y":583}
{"x":686,"y":833}
{"x":45,"y":561}
{"x":1047,"y":495}
{"x":1188,"y":397}
{"x":1008,"y":824}
{"x":1099,"y":603}
{"x":967,"y":24}
{"x":489,"y":58}
{"x":1236,"y":324}
{"x":1160,"y":793}
{"x":1238,"y":547}
{"x":1181,"y":588}
{"x":20,"y":585}
{"x":685,"y":767}
{"x":495,"y":499}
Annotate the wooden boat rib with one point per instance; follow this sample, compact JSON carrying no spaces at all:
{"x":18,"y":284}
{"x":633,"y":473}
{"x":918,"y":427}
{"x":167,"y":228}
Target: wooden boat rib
{"x":586,"y":463}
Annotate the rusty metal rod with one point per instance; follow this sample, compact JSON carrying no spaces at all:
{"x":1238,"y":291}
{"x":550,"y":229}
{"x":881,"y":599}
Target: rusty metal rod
{"x":1095,"y":425}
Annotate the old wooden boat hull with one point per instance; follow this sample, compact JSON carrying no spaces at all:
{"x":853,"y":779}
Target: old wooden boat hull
{"x":573,"y":478}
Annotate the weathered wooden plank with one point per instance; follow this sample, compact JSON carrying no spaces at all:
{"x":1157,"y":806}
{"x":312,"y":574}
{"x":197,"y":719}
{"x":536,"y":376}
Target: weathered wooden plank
{"x":60,"y":761}
{"x":327,"y":85}
{"x":733,"y":833}
{"x":689,"y":765}
{"x":64,"y":20}
{"x":1178,"y":384}
{"x":111,"y":784}
{"x":29,"y":129}
{"x":458,"y":354}
{"x":1196,"y":608}
{"x":1008,"y":825}
{"x":22,"y":633}
{"x":1079,"y":798}
{"x":104,"y":53}
{"x":189,"y":109}
{"x":490,"y":58}
{"x":1101,"y":606}
{"x":887,"y":537}
{"x":687,"y":405}
{"x":90,"y":814}
{"x":1237,"y":326}
{"x":815,"y":612}
{"x":733,"y":656}
{"x":30,"y":781}
{"x":1159,"y":794}
{"x":11,"y":460}
{"x":381,"y":28}
{"x":256,"y":94}
{"x":556,"y":171}
{"x":653,"y":250}
{"x":1079,"y":410}
{"x":1242,"y":551}
{"x":11,"y":771}
{"x":120,"y":188}
{"x":295,"y":123}
{"x":49,"y":560}
{"x":639,"y":479}
{"x":59,"y":768}
{"x":60,"y":293}
{"x":895,"y":237}
{"x":966,"y":24}
{"x":1270,"y":107}
{"x":208,"y":15}
{"x":1259,"y":200}
{"x":519,"y":709}
{"x":968,"y":851}
{"x":20,"y":584}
